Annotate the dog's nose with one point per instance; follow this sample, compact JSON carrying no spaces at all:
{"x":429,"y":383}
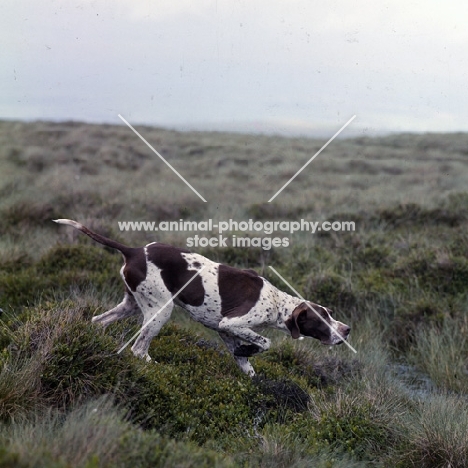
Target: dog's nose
{"x":346,"y":331}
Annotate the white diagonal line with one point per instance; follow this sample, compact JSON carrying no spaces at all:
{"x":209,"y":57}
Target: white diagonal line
{"x":313,"y":310}
{"x":162,"y":159}
{"x":312,"y":158}
{"x":156,"y":313}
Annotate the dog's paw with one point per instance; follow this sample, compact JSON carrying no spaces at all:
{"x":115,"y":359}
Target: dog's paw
{"x":142,"y":355}
{"x":246,"y":350}
{"x":99,"y":321}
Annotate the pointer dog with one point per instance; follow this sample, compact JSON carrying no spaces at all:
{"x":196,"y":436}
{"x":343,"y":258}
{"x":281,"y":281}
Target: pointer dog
{"x":231,"y":301}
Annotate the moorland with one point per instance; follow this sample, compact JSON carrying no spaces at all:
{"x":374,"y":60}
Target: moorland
{"x":67,"y":399}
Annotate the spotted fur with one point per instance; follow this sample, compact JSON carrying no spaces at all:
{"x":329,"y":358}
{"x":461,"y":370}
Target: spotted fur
{"x":234,"y":302}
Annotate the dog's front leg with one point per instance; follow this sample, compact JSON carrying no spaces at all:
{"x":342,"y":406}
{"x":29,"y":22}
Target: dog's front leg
{"x":232,"y":343}
{"x":238,"y":327}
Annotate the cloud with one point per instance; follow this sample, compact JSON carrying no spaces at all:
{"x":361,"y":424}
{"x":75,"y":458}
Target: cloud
{"x":290,"y":64}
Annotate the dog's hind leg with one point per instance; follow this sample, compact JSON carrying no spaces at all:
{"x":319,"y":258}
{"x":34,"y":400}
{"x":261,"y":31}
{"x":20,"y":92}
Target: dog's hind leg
{"x":126,"y":308}
{"x":154,"y":320}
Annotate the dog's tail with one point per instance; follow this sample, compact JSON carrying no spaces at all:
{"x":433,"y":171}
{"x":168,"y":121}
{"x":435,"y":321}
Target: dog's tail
{"x":125,"y":250}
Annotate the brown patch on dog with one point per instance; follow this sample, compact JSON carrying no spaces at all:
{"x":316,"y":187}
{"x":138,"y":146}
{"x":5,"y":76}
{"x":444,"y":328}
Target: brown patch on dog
{"x":247,"y":350}
{"x":239,"y":290}
{"x":304,"y":321}
{"x":135,"y":267}
{"x":175,"y":273}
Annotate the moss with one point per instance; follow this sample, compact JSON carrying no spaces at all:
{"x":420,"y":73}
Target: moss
{"x":352,"y":433}
{"x":23,"y":288}
{"x":94,"y":435}
{"x":287,"y":394}
{"x":304,"y":367}
{"x":358,"y":432}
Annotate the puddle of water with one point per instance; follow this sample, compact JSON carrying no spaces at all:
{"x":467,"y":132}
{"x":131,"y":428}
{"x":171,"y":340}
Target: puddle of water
{"x":418,"y":384}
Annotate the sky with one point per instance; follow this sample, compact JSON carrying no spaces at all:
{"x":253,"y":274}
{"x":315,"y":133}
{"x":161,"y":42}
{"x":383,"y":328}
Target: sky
{"x":285,"y":67}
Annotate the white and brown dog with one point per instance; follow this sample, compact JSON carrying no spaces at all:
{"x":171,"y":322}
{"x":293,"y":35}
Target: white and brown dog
{"x":231,"y":301}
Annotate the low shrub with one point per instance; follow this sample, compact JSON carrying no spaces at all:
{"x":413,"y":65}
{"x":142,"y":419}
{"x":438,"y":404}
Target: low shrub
{"x":330,"y":290}
{"x":59,"y":270}
{"x":412,"y":214}
{"x":443,"y":273}
{"x":305,"y":362}
{"x":253,"y":257}
{"x":271,"y":211}
{"x":19,"y":387}
{"x":24,"y":216}
{"x":194,"y":391}
{"x":352,"y":429}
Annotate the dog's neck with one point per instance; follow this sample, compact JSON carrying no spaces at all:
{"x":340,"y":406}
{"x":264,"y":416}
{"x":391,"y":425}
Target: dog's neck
{"x":285,"y":305}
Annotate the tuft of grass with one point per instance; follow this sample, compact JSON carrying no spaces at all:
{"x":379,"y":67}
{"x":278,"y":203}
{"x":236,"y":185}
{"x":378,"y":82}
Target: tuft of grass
{"x":278,"y":449}
{"x":19,"y":387}
{"x":86,"y":437}
{"x":441,"y":352}
{"x":438,"y":433}
{"x":92,"y":435}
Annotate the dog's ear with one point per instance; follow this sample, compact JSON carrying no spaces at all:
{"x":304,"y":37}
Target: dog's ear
{"x":292,"y":322}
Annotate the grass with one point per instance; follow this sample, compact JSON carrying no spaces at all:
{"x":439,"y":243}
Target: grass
{"x":92,"y":435}
{"x":438,"y":433}
{"x":442,"y":352}
{"x":400,"y":281}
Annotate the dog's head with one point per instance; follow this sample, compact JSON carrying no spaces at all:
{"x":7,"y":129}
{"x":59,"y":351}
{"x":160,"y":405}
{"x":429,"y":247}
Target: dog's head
{"x":309,"y":319}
